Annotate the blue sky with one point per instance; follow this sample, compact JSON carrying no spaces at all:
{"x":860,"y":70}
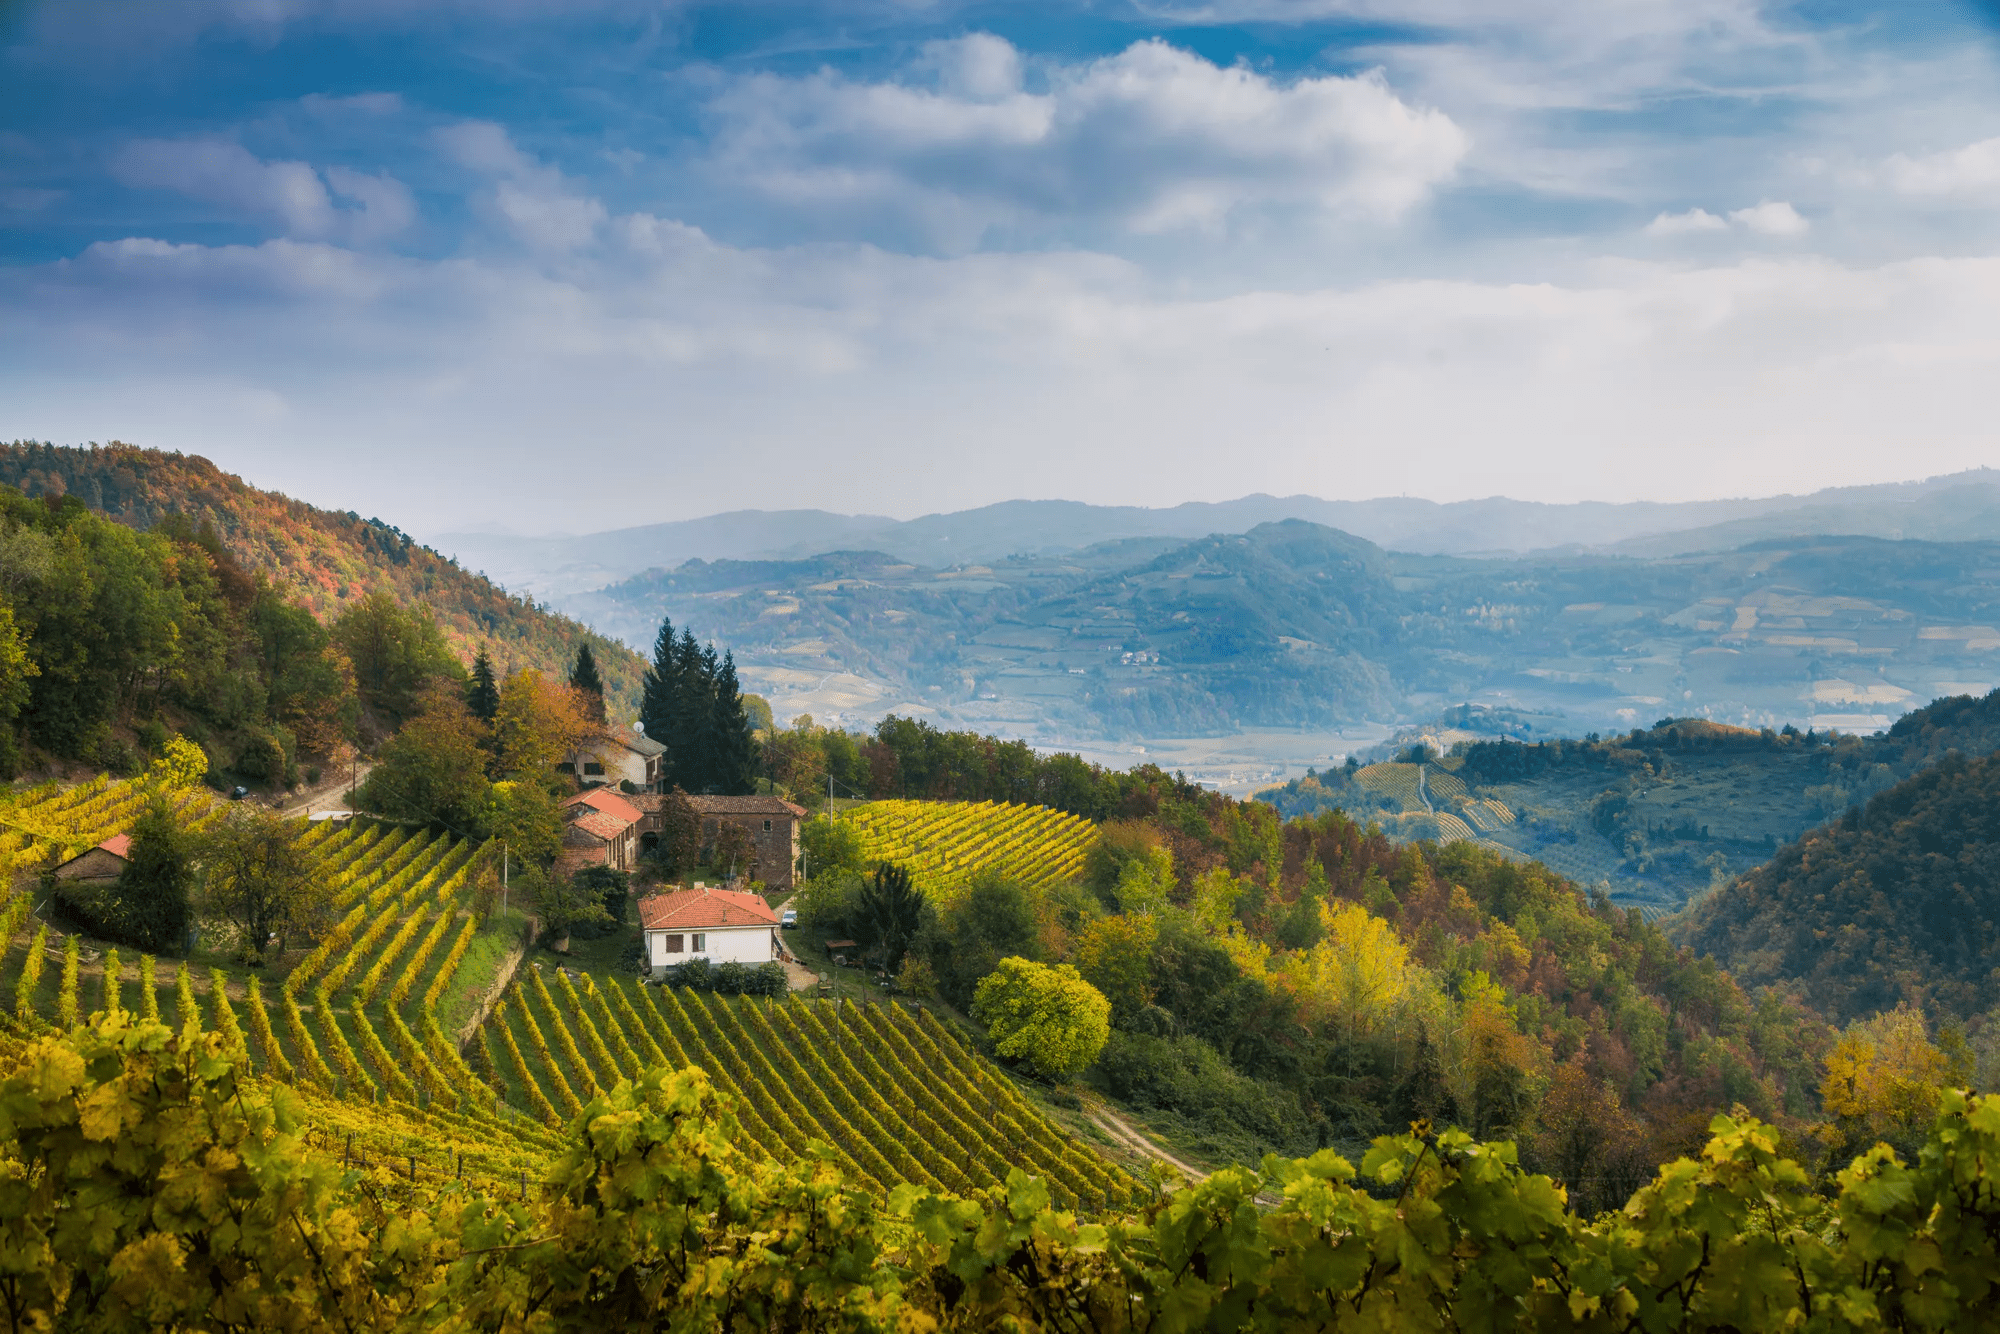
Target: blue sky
{"x":563,"y":266}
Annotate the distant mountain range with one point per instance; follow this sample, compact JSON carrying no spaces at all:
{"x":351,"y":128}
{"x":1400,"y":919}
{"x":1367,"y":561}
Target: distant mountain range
{"x":1962,"y":506}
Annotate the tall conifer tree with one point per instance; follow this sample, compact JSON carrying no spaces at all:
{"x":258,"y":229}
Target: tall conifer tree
{"x":482,"y":692}
{"x":690,"y":748}
{"x":584,"y":677}
{"x":735,"y":749}
{"x":660,"y":698}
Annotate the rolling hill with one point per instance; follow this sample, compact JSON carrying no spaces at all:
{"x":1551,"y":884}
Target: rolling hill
{"x":321,"y":558}
{"x":1895,"y":901}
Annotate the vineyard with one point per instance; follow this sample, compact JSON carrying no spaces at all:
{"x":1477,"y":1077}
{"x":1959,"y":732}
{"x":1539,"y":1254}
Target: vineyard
{"x":359,"y":1026}
{"x":365,"y":1026}
{"x":945,"y":843}
{"x":894,"y":1092}
{"x":1392,"y":782}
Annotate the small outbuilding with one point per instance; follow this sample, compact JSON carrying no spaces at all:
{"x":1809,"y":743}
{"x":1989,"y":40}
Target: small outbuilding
{"x":719,"y":925}
{"x":100,"y":865}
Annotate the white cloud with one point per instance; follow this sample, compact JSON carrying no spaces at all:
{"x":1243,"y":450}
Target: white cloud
{"x":863,"y":380}
{"x":1973,"y":170}
{"x":536,"y":202}
{"x":1771,"y":218}
{"x":228,"y":174}
{"x":1154,"y":138}
{"x":1678,"y":224}
{"x":290,"y":193}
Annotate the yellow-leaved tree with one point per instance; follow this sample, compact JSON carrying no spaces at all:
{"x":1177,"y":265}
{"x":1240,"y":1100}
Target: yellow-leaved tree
{"x":1884,"y":1075}
{"x":1359,"y":974}
{"x":1047,"y":1016}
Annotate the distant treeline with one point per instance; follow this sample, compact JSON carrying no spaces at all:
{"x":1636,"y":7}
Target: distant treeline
{"x":1919,"y":738}
{"x":907,"y":757}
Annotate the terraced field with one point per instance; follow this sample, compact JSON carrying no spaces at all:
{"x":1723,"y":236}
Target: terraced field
{"x":945,"y":843}
{"x":898,"y":1097}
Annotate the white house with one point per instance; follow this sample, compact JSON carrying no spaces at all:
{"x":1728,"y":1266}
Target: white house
{"x":718,"y":925}
{"x":626,"y":755}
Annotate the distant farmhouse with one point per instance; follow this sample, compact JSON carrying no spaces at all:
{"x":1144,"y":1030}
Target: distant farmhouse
{"x":603,"y":827}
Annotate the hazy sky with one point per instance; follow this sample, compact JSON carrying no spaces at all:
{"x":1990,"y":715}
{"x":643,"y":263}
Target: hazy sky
{"x":564,"y":264}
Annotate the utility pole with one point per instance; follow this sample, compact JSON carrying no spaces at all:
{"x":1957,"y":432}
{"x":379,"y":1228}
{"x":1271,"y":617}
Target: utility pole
{"x":503,"y":877}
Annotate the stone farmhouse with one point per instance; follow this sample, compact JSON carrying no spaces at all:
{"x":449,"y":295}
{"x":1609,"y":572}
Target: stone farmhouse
{"x":600,"y":828}
{"x":699,"y":922}
{"x":606,"y":828}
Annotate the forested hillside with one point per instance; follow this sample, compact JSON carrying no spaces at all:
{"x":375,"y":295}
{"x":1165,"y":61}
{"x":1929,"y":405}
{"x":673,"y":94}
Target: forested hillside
{"x":321,"y":559}
{"x":1657,"y":815}
{"x":1897,"y":902}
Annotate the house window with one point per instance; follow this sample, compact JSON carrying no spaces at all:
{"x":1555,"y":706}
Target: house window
{"x":700,"y":942}
{"x":592,"y":767}
{"x":565,"y":768}
{"x":672,"y":944}
{"x":767,"y":826}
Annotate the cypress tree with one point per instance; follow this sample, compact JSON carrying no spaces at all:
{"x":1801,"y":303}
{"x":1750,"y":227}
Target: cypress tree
{"x":584,"y":677}
{"x":482,"y":692}
{"x":691,"y":747}
{"x":735,"y":751}
{"x":660,"y":699}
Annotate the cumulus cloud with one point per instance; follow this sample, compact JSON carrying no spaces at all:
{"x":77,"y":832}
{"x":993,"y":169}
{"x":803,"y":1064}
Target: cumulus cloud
{"x":290,"y":193}
{"x":1151,"y":139}
{"x":1770,"y":218}
{"x":542,"y":208}
{"x":1972,"y":171}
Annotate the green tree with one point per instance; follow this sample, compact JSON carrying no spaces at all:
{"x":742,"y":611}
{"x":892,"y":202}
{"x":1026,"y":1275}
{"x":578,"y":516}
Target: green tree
{"x":396,"y":653}
{"x":613,"y":888}
{"x":1048,"y":1017}
{"x":584,"y":679}
{"x":995,"y":917}
{"x":258,"y":878}
{"x":1115,"y":955}
{"x":482,"y":690}
{"x":433,"y":769}
{"x":525,"y":816}
{"x":831,"y":845}
{"x":149,"y":904}
{"x":891,"y":910}
{"x":564,"y":904}
{"x":659,"y":703}
{"x":733,"y":753}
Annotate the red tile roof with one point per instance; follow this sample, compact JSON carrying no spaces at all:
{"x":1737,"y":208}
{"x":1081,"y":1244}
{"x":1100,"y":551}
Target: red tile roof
{"x":118,"y":845}
{"x":606,"y":802}
{"x":701,"y":909}
{"x":606,"y":827}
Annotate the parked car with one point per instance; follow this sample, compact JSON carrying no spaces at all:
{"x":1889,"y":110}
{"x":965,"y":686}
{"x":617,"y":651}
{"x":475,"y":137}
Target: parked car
{"x":238,"y":792}
{"x":788,"y":919}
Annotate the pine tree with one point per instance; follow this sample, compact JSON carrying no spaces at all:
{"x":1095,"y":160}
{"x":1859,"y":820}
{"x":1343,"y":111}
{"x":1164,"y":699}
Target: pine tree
{"x":735,"y":751}
{"x":659,"y":704}
{"x":482,"y":692}
{"x":584,"y":677}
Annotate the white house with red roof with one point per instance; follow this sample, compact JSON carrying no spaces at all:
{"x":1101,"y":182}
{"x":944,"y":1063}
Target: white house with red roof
{"x":700,"y":922}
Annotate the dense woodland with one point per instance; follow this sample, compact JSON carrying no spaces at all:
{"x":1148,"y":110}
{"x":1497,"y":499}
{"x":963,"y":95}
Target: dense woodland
{"x":1897,"y":902}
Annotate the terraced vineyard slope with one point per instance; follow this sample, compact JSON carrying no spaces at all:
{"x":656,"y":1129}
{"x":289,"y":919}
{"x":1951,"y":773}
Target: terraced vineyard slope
{"x":945,"y":843}
{"x":894,"y":1093}
{"x":359,"y":1026}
